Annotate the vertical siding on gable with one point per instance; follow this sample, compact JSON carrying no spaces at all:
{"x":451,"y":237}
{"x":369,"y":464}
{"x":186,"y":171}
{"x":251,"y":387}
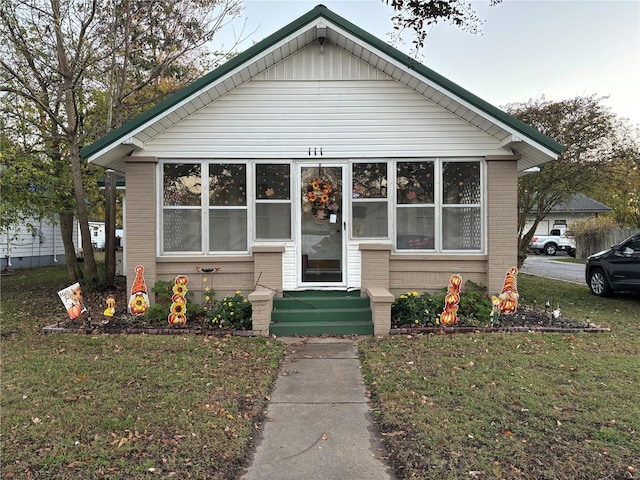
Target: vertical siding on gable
{"x":348,"y":119}
{"x":334,"y":101}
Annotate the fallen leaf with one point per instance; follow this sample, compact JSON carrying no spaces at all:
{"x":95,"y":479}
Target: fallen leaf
{"x":324,"y":436}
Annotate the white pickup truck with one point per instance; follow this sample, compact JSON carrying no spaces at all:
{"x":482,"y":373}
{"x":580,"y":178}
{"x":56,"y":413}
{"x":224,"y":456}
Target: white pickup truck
{"x":557,"y":240}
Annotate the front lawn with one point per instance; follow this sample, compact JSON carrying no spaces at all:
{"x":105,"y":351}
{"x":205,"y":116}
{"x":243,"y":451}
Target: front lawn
{"x":514,"y":406}
{"x":122,"y":407}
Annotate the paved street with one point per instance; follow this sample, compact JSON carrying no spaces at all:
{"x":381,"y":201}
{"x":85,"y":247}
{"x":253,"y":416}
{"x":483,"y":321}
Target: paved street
{"x":550,"y":267}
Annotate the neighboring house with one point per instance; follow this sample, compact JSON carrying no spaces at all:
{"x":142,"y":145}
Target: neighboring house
{"x":98,"y":237}
{"x":322,"y":158}
{"x":578,"y":207}
{"x":33,"y":243}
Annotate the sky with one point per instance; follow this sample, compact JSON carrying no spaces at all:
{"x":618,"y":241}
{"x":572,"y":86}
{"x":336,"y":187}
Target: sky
{"x":526,"y":49}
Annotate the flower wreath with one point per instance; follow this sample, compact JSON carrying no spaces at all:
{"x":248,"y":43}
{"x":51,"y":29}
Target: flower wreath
{"x":320,"y":195}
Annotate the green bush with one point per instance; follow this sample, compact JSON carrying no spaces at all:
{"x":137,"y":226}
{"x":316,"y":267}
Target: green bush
{"x":424,"y":309}
{"x":157,"y":314}
{"x":231,"y":312}
{"x":414,"y":309}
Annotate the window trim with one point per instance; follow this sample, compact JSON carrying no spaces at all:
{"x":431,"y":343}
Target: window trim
{"x":439,"y":205}
{"x":204,"y":206}
{"x":255,"y":201}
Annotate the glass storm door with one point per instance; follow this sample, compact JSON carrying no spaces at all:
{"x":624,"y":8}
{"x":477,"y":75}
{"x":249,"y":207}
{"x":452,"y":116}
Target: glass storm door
{"x":322,"y":226}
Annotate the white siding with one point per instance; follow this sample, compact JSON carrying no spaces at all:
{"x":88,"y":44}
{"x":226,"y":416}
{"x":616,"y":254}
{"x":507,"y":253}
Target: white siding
{"x":354,"y":119}
{"x":354,"y":265}
{"x":32,"y":246}
{"x":289,"y":272}
{"x":332,"y":100}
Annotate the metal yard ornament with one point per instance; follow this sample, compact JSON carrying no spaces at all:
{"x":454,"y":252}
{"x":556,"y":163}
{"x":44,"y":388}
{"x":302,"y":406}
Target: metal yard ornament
{"x":72,"y":299}
{"x":139,"y":300}
{"x":507,"y":302}
{"x":449,"y":315}
{"x":178,"y":312}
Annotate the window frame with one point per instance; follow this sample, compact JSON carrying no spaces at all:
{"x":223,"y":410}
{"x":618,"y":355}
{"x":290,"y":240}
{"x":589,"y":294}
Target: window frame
{"x":205,"y":207}
{"x":387,"y":200}
{"x":264,"y":201}
{"x":439,"y":205}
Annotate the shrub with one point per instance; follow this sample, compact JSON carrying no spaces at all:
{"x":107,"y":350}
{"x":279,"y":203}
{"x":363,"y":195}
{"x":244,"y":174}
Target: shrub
{"x":157,"y":313}
{"x":415,"y":309}
{"x":475,"y":305}
{"x":231,"y":312}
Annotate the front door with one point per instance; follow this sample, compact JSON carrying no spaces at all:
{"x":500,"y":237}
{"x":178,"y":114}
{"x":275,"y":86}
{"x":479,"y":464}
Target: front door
{"x":322,"y":226}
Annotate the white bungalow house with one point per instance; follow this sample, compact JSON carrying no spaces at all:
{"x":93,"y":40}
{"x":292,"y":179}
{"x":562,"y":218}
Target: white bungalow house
{"x":322,"y":159}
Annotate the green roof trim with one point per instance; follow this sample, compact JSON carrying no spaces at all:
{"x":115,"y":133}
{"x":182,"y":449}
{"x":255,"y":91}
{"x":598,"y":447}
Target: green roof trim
{"x":321,"y":11}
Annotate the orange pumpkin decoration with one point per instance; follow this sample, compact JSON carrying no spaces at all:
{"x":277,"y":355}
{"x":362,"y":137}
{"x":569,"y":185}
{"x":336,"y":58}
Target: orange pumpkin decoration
{"x":449,"y":314}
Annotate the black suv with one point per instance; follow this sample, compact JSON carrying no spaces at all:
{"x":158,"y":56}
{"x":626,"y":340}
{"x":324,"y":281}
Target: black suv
{"x":615,"y":269}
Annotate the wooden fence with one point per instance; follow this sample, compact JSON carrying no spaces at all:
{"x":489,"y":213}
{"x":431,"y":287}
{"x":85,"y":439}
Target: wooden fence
{"x":594,"y":244}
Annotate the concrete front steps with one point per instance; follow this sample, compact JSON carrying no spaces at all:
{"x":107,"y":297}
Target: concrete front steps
{"x":316,"y":312}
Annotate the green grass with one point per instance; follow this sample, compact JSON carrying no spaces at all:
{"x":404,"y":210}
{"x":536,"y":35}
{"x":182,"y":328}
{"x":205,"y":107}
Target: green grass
{"x":568,"y":260}
{"x":514,"y":406}
{"x":98,"y":406}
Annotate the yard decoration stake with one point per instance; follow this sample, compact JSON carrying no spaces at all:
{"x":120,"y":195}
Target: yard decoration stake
{"x":72,"y":299}
{"x":449,"y":314}
{"x":507,"y":302}
{"x":139,"y":300}
{"x":111,"y":306}
{"x":178,"y":312}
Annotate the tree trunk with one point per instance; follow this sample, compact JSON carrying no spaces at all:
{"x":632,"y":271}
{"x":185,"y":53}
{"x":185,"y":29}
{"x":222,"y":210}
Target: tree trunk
{"x":110,"y":227}
{"x":90,"y":267}
{"x":71,"y":134}
{"x":71,"y":262}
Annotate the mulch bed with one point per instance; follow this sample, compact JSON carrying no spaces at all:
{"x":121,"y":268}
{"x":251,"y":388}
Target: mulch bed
{"x":524,"y":320}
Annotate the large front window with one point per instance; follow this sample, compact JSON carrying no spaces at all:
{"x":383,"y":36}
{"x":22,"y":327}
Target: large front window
{"x":439,"y":205}
{"x":197,"y":223}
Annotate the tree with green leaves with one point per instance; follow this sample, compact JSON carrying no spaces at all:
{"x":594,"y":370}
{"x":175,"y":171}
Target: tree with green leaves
{"x":619,"y":187}
{"x":55,"y":55}
{"x":587,"y":130}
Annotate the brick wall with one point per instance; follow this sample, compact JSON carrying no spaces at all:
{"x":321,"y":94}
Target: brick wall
{"x":502,"y":223}
{"x":141,"y":220}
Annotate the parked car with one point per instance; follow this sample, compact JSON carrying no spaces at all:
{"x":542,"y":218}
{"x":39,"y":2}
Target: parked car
{"x":616,"y":269}
{"x":557,"y":240}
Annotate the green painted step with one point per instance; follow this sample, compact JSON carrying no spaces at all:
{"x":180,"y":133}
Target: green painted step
{"x":315,"y":329}
{"x":321,"y":313}
{"x":325,"y":315}
{"x":320,"y":303}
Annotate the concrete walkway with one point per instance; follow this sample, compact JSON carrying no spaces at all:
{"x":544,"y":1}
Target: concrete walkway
{"x":318,"y":419}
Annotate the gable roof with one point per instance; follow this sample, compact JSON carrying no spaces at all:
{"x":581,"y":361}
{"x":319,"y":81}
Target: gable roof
{"x":533,"y":147}
{"x":580,"y":203}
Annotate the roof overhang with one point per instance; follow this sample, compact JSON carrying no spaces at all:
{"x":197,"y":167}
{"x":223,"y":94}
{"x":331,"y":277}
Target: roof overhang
{"x":321,"y":25}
